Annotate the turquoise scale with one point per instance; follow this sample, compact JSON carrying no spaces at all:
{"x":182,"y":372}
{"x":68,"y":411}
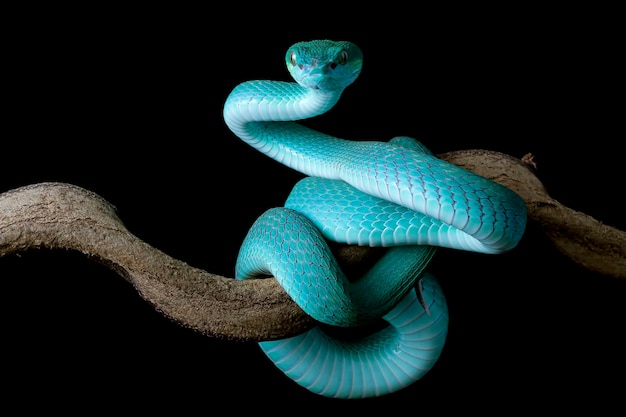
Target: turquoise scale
{"x":379,"y":364}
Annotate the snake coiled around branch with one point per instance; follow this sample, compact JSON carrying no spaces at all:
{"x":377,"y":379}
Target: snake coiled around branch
{"x":393,"y":194}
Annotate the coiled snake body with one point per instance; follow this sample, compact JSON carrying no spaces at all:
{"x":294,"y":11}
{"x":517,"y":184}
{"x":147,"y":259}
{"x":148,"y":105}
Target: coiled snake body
{"x":394,"y":194}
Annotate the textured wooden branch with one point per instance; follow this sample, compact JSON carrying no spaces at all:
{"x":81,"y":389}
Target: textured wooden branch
{"x":64,"y":216}
{"x":58,"y":215}
{"x":586,"y":241}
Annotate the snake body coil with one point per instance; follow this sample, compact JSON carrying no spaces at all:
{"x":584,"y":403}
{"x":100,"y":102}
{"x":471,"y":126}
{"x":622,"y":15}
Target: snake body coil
{"x":395,"y":194}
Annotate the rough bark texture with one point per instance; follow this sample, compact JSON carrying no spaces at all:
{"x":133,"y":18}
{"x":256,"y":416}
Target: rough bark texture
{"x":585,"y":240}
{"x":64,"y":216}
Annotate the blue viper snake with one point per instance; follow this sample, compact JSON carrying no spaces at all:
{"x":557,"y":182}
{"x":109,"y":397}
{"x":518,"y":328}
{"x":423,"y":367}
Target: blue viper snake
{"x":394,"y":194}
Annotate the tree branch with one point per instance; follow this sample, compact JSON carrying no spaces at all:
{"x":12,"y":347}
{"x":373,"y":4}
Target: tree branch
{"x":584,"y":240}
{"x":64,"y":216}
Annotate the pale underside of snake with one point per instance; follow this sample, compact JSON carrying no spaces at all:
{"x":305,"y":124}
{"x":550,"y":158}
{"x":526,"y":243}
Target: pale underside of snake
{"x":394,"y":194}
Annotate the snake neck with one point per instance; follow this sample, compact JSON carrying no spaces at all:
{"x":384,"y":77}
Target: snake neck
{"x":263,"y":114}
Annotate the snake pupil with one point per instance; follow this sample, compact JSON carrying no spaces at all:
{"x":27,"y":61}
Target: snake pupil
{"x":343,"y":57}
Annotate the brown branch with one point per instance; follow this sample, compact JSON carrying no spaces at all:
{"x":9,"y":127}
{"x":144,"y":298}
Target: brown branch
{"x":584,"y":240}
{"x":64,"y":216}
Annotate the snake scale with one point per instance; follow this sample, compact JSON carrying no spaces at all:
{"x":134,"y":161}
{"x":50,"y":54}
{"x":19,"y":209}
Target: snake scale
{"x":393,"y":194}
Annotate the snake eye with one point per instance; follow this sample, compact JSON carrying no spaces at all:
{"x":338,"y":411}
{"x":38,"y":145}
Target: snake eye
{"x":343,"y":57}
{"x":293,"y":59}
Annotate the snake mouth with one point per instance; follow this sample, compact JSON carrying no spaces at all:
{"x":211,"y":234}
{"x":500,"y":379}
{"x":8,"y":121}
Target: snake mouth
{"x":319,"y":82}
{"x":313,"y":82}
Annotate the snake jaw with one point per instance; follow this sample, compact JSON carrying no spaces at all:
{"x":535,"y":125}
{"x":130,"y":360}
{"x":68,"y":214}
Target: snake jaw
{"x":315,"y":77}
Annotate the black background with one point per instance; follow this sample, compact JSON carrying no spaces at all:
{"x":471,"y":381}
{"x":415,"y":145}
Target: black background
{"x":127,"y":103}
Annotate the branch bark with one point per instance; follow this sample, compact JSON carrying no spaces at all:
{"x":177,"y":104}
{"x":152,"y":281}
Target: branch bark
{"x":64,"y":216}
{"x":583,"y":239}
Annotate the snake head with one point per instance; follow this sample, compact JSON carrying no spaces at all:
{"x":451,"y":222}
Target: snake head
{"x":324,"y":64}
